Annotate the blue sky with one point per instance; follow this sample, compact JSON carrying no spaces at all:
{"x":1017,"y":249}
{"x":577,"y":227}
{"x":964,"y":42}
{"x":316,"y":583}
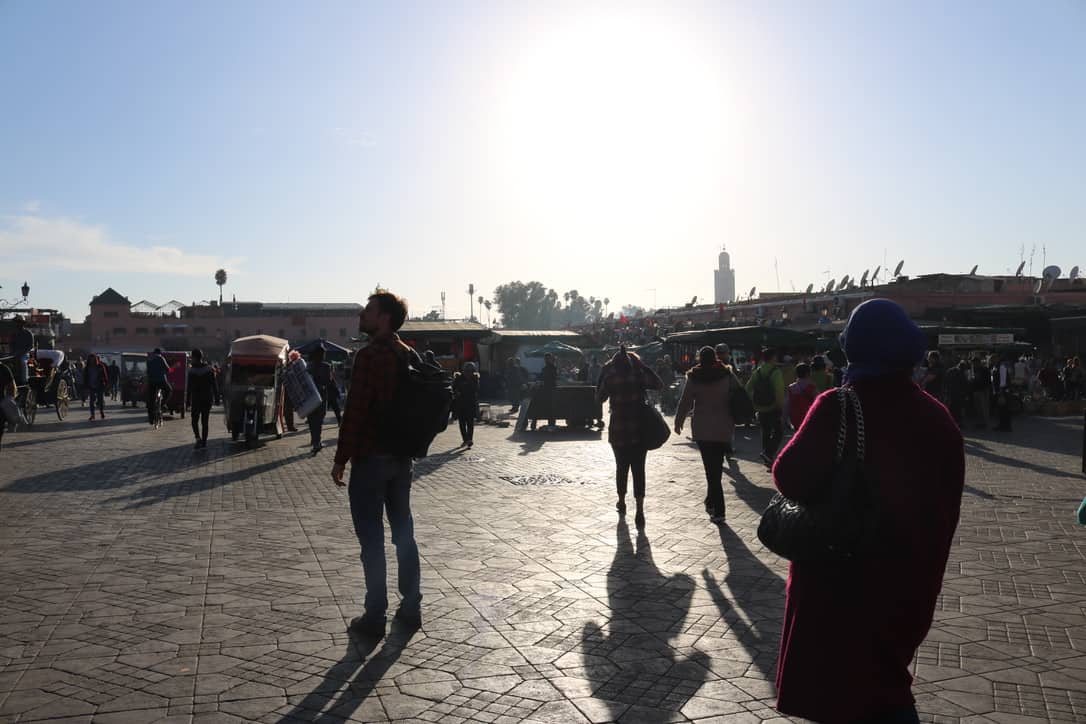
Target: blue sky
{"x":317,"y":149}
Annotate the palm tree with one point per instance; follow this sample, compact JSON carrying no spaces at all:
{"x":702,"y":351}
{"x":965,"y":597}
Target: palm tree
{"x":220,"y":279}
{"x":480,"y":300}
{"x":486,"y":303}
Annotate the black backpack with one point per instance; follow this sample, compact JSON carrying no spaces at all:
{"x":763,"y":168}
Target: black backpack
{"x":419,"y":410}
{"x":765,"y":394}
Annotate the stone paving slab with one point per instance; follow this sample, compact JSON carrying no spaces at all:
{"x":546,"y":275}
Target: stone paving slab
{"x":144,"y":581}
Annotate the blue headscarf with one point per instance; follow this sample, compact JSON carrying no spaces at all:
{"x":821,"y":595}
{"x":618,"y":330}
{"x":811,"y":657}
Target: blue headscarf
{"x":880,"y":339}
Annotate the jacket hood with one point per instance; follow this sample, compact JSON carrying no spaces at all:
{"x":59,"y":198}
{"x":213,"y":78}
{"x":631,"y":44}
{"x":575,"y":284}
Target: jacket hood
{"x":708,"y":374}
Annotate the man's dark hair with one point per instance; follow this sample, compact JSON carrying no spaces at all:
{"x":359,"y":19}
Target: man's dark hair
{"x":803,"y":370}
{"x":769,"y":354}
{"x":395,"y":307}
{"x":197,"y":355}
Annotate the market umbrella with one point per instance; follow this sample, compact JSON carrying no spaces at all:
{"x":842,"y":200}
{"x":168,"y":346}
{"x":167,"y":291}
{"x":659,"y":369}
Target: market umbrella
{"x":332,"y":350}
{"x":558,"y":349}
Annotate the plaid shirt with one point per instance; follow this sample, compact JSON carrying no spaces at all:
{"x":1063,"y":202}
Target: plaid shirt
{"x":373,"y":384}
{"x":624,"y":386}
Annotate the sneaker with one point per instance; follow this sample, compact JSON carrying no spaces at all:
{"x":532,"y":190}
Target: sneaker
{"x":92,"y":417}
{"x":408,"y":619}
{"x":101,"y":415}
{"x":716,"y":518}
{"x":368,"y":626}
{"x":197,"y":446}
{"x":620,"y":506}
{"x":470,"y":443}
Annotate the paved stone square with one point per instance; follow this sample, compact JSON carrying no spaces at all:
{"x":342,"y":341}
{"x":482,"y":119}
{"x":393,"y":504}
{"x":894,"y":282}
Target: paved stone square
{"x":144,"y":581}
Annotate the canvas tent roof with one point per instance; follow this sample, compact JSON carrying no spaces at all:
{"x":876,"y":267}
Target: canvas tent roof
{"x":259,"y":345}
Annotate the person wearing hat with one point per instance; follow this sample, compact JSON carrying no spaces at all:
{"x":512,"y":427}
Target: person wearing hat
{"x":22,"y":344}
{"x":851,"y":631}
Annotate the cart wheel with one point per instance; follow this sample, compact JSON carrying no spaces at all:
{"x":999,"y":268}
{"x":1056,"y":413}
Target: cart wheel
{"x":31,"y":406}
{"x":62,"y":400}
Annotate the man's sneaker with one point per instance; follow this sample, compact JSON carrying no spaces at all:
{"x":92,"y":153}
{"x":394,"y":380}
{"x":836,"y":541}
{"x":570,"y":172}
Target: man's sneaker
{"x":412,"y":620}
{"x":368,"y":626}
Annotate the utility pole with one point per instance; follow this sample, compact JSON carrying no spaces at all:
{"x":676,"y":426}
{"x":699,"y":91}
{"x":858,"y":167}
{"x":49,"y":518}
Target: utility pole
{"x":471,"y":301}
{"x":442,"y":306}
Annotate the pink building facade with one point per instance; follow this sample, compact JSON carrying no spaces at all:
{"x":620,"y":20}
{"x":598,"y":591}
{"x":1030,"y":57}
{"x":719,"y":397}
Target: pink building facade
{"x":113,"y":326}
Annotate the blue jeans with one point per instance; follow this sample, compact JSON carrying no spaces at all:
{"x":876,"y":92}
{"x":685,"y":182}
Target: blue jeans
{"x":379,"y":483}
{"x":97,"y":395}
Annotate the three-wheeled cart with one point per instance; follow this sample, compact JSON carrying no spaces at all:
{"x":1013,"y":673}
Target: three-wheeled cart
{"x":252,"y":390}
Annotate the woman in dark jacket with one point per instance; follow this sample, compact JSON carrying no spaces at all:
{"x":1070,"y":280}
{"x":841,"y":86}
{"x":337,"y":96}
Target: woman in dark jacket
{"x":466,"y":391}
{"x":623,"y":381}
{"x":95,"y":382}
{"x":201,"y":392}
{"x":321,"y":372}
{"x":851,"y":629}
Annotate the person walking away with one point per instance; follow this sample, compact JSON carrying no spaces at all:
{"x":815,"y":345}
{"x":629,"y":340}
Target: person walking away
{"x":334,"y":393}
{"x":801,"y":395}
{"x":851,"y":629}
{"x":7,"y":389}
{"x":201,"y":392}
{"x":820,"y":376}
{"x":95,"y":381}
{"x":157,"y":370}
{"x":982,"y":392}
{"x":1002,"y":378}
{"x":957,"y":389}
{"x":708,"y":392}
{"x":114,"y":372}
{"x":466,"y":392}
{"x":321,"y":372}
{"x":766,"y":388}
{"x":623,"y":381}
{"x":549,"y":379}
{"x":380,"y":481}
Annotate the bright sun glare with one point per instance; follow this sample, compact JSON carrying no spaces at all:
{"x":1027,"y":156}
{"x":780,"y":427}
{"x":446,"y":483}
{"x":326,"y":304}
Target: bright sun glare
{"x":611,"y":121}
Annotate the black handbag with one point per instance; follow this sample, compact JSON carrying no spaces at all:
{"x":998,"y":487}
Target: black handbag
{"x":740,"y":405}
{"x":651,"y":426}
{"x":653,"y":429}
{"x":841,"y":524}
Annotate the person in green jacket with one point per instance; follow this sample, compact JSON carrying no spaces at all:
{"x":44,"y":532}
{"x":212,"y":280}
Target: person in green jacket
{"x":820,"y":376}
{"x":766,"y":388}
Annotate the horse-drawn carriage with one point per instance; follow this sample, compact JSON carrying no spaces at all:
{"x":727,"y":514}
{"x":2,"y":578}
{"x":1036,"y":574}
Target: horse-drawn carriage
{"x":49,"y":384}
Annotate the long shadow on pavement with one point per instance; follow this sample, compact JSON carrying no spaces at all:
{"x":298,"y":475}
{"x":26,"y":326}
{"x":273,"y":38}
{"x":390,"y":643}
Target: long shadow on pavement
{"x":634,"y":668}
{"x":755,"y":496}
{"x":982,"y":451}
{"x":755,"y":611}
{"x":346,"y":686}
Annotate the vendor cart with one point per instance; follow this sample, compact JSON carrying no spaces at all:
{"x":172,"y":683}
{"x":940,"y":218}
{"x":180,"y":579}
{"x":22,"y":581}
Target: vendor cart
{"x":576,"y":404}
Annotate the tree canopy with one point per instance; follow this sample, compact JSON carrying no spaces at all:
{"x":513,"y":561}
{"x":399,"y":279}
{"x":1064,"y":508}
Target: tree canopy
{"x":531,"y":305}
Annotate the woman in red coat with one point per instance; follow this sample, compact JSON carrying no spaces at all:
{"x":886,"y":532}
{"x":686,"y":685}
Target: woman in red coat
{"x":851,"y":630}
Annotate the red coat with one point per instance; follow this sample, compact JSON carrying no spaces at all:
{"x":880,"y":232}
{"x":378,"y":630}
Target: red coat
{"x":850,"y":633}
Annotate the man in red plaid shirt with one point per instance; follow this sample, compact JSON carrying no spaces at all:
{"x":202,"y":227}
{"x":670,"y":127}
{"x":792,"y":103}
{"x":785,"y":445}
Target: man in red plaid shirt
{"x":379,"y":480}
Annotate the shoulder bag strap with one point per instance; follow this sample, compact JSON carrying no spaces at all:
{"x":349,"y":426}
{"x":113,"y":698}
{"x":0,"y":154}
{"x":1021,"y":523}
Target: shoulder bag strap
{"x":843,"y":399}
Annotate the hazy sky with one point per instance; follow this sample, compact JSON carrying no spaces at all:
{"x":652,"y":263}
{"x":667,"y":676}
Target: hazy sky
{"x":316,"y":149}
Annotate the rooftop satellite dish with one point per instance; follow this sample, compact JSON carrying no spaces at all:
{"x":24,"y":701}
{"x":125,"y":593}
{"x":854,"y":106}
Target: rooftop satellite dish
{"x":1052,"y":273}
{"x":843,"y":283}
{"x":863,"y":279}
{"x":694,"y":301}
{"x":1020,"y":268}
{"x":897,"y":269}
{"x":1074,"y":273}
{"x":876,"y":274}
{"x":829,"y":287}
{"x":752,"y":290}
{"x":810,"y":287}
{"x":973,"y":270}
{"x":1037,"y":288}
